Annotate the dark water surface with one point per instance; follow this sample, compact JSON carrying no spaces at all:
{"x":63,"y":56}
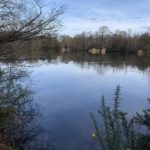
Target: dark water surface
{"x":67,"y":87}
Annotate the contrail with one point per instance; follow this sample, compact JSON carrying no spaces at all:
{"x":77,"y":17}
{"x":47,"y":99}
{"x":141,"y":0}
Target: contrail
{"x":91,"y":11}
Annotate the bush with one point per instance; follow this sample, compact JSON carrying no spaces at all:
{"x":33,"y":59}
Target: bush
{"x":119,"y":131}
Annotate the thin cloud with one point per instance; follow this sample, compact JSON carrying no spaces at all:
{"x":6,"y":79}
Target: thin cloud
{"x":88,"y":15}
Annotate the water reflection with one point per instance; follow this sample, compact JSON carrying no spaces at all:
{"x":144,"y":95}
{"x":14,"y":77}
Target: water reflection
{"x":18,"y":116}
{"x":85,"y":60}
{"x":68,"y":86}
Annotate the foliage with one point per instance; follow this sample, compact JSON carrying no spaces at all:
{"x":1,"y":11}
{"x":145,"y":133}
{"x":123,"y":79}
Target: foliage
{"x":143,"y":119}
{"x":17,"y":114}
{"x":119,"y":131}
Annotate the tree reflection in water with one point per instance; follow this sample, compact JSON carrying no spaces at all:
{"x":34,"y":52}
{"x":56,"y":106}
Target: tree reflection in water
{"x":18,"y":128}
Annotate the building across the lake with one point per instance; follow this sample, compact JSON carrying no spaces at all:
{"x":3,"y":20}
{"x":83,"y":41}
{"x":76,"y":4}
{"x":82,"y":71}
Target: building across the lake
{"x":103,"y":51}
{"x":64,"y":50}
{"x":140,"y":52}
{"x":97,"y":51}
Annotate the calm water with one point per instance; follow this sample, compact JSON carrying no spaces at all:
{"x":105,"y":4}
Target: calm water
{"x":70,"y":86}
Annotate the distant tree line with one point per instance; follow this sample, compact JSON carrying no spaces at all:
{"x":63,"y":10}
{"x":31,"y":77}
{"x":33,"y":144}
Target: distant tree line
{"x":118,"y":41}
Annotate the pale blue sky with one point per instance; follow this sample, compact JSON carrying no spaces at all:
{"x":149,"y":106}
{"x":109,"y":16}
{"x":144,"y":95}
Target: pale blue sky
{"x":89,"y":15}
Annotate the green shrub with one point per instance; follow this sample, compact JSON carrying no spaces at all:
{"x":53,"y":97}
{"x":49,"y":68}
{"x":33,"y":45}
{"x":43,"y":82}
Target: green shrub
{"x":118,"y":131}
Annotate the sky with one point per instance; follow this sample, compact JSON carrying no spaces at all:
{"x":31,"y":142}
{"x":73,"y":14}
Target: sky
{"x":89,"y":15}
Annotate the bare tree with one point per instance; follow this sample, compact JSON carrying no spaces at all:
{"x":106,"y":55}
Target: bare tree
{"x":25,"y":19}
{"x":22,"y":20}
{"x":102,"y":33}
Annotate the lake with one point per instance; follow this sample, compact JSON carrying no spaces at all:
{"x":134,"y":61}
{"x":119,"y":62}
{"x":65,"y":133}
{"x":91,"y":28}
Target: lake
{"x":67,"y":87}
